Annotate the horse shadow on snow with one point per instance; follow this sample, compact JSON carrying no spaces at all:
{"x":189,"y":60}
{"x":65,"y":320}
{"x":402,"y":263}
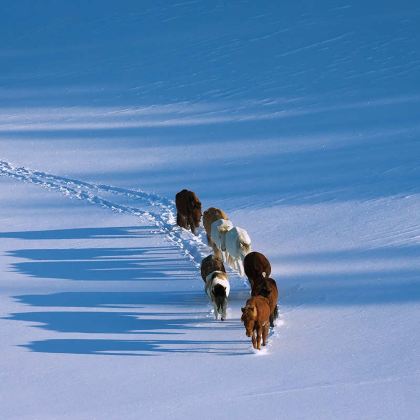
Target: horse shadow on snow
{"x":162,"y":318}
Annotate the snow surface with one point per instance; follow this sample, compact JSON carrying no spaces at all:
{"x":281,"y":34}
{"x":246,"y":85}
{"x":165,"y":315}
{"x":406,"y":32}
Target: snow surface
{"x":299,"y":120}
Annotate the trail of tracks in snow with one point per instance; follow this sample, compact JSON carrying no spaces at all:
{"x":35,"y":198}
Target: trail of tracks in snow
{"x":161,"y":211}
{"x":155,"y":209}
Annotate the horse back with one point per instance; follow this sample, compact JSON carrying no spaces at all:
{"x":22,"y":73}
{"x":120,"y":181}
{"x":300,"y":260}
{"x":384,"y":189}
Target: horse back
{"x":211,"y":215}
{"x":256,"y":265}
{"x":211,"y":264}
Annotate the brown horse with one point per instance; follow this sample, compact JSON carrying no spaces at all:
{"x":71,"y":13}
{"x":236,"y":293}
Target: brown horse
{"x":267,"y":288}
{"x":256,"y":266}
{"x":211,"y":264}
{"x":188,"y":208}
{"x":209,"y":216}
{"x":255,"y":316}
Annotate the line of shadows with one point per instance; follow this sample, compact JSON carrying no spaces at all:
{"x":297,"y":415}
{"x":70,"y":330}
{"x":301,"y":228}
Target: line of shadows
{"x":103,"y":264}
{"x":140,"y":347}
{"x":120,"y":300}
{"x":157,"y":314}
{"x":114,"y":322}
{"x":184,"y":316}
{"x":83,"y":233}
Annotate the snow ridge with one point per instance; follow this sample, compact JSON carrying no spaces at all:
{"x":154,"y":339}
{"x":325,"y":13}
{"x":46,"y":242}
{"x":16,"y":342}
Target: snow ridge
{"x":161,"y":213}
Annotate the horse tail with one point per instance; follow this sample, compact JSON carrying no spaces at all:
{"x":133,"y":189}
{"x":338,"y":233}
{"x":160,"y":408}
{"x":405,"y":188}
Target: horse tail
{"x":219,"y":293}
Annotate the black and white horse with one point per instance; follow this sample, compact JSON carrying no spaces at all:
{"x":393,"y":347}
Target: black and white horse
{"x":217,"y":289}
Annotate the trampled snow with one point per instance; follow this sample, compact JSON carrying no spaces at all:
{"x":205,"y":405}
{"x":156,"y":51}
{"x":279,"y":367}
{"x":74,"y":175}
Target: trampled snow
{"x":300,"y":121}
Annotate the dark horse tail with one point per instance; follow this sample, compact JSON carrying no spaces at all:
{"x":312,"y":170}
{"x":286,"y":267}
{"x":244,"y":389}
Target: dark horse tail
{"x":219,"y":293}
{"x":256,"y":284}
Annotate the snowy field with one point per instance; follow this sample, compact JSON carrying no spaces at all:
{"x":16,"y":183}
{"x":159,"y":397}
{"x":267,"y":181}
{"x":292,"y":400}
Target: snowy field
{"x":300,"y":121}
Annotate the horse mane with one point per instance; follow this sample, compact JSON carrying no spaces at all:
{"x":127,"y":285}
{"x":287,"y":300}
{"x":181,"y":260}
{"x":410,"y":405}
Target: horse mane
{"x":225,"y":226}
{"x":252,"y":308}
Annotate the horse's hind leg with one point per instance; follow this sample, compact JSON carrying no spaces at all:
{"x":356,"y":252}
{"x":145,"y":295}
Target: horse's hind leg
{"x":259,"y":334}
{"x":216,"y":251}
{"x":224,"y":256}
{"x":254,"y":340}
{"x":181,"y":221}
{"x":241,"y":268}
{"x":190,"y":223}
{"x":216,"y":313}
{"x":224,"y":310}
{"x":264,"y":335}
{"x":272,"y":320}
{"x":234,"y":263}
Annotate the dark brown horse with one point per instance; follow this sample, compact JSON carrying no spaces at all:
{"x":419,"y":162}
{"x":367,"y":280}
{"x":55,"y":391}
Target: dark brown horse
{"x":256,"y":266}
{"x":267,"y":288}
{"x":256,"y":319}
{"x":188,"y":208}
{"x":211,"y":264}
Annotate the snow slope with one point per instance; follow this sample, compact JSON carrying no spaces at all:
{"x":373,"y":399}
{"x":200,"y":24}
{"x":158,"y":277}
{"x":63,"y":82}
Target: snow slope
{"x":299,"y":120}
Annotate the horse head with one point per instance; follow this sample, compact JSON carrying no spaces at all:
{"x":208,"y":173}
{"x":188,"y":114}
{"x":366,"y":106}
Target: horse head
{"x":249,"y":315}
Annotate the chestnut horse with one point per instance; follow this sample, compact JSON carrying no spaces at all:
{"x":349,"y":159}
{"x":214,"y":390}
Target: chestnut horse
{"x":267,"y":287}
{"x":209,"y":216}
{"x":255,"y":316}
{"x":188,"y":208}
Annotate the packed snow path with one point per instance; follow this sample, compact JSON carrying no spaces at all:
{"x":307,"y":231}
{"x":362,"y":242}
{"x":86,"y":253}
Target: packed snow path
{"x":155,"y":209}
{"x":160,"y":211}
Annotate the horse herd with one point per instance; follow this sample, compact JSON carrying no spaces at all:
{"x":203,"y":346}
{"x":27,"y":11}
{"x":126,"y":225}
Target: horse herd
{"x":231,"y":245}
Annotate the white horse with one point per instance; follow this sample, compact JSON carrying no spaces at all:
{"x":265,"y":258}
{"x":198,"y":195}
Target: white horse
{"x":219,"y":228}
{"x":217,"y":289}
{"x":237,"y":245}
